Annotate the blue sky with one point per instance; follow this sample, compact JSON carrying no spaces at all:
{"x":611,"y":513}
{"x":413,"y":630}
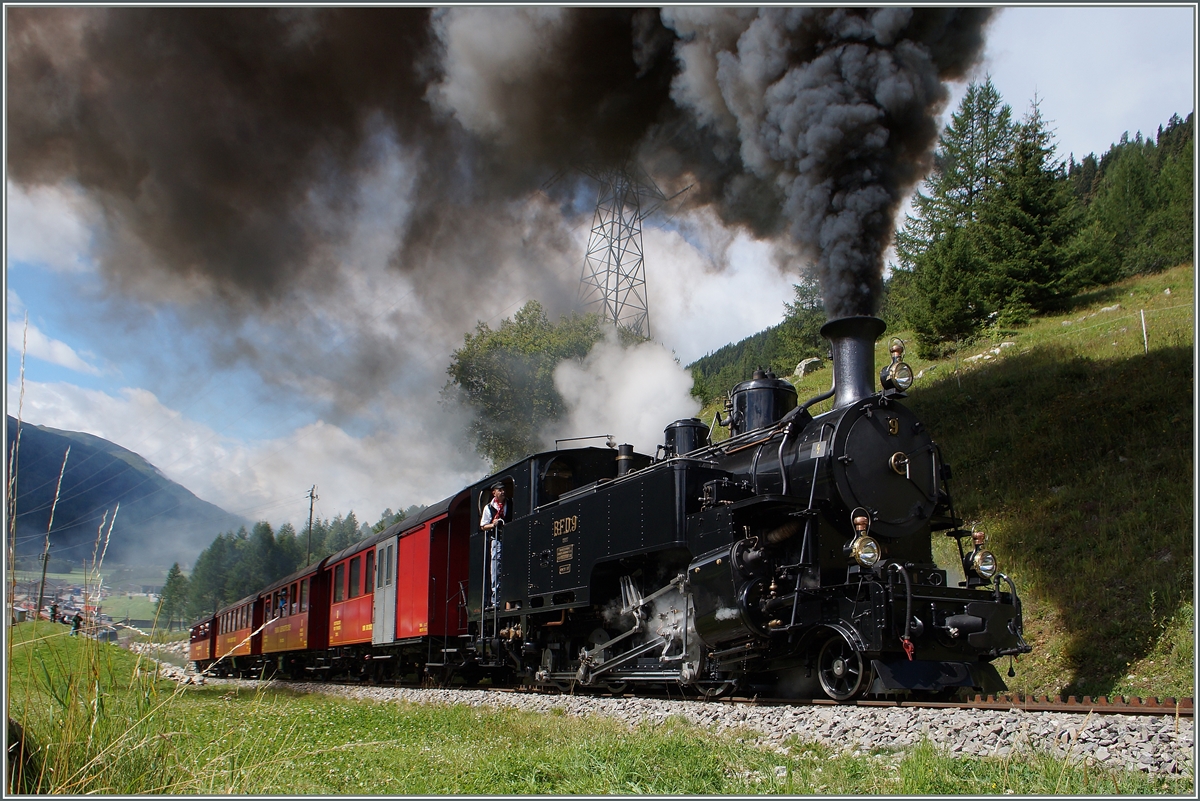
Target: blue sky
{"x":163,"y":379}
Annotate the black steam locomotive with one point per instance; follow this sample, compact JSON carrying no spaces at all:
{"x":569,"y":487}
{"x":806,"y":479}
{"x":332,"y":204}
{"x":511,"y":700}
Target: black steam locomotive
{"x":795,"y":555}
{"x":793,"y":558}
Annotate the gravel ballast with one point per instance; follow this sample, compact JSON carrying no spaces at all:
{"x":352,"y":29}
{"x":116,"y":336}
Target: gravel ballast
{"x":1160,"y":744}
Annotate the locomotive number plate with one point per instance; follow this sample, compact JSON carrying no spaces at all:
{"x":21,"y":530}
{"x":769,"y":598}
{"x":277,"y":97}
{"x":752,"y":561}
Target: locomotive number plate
{"x":565,"y":526}
{"x":565,"y":552}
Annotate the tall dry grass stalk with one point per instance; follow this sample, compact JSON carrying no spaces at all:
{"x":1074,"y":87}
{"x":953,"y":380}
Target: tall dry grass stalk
{"x":14,"y":758}
{"x":11,"y":489}
{"x":37,"y":610}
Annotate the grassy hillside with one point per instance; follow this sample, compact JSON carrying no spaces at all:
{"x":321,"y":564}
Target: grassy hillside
{"x":1072,"y":449}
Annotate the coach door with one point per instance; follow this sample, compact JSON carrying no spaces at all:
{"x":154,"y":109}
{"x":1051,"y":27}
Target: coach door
{"x":383,"y":630}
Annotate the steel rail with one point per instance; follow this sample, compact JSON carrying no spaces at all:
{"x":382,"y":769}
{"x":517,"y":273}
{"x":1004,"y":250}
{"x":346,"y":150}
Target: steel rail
{"x":1113,"y":705}
{"x":1102,"y":705}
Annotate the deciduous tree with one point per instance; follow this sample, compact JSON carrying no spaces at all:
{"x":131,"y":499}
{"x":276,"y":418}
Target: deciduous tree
{"x":506,"y":377}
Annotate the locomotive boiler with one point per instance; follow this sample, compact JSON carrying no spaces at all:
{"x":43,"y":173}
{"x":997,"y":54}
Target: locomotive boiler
{"x":795,"y":555}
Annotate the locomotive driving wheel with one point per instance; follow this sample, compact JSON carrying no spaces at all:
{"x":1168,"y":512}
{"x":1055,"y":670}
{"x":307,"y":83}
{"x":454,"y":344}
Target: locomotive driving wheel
{"x":840,"y":669}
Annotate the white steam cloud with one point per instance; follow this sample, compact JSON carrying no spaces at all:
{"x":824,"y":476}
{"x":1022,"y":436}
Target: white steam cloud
{"x":632,"y":393}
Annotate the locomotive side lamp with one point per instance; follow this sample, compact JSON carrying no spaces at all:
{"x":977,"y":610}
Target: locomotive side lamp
{"x":864,"y":549}
{"x":982,"y":562}
{"x":896,"y":375}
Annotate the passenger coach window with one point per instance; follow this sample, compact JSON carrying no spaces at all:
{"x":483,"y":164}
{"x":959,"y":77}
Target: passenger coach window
{"x":353,"y":591}
{"x":304,"y":596}
{"x":295,"y":598}
{"x":391,"y":560}
{"x":339,"y":583}
{"x":369,"y":572}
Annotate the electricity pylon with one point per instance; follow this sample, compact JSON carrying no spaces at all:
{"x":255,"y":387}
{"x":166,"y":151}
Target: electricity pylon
{"x":613,"y":282}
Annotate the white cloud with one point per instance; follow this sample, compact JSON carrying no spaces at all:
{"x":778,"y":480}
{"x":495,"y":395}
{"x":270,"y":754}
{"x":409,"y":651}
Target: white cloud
{"x":39,"y":346}
{"x":51,"y":226}
{"x":1098,"y":71}
{"x":412,"y":460}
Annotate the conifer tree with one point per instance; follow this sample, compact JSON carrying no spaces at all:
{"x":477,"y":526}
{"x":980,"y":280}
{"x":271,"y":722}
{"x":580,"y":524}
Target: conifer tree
{"x":800,"y":330}
{"x":972,"y":158}
{"x":1083,"y":176}
{"x":1142,"y":216}
{"x":971,"y":155}
{"x":1025,"y":228}
{"x":206,"y":590}
{"x":172,"y":600}
{"x":951,"y":305}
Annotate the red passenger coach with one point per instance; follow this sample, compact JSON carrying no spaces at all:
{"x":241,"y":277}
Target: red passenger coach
{"x":388,"y":607}
{"x":296,"y":620}
{"x":201,"y":643}
{"x":237,"y":643}
{"x":420,"y":575}
{"x":350,"y":574}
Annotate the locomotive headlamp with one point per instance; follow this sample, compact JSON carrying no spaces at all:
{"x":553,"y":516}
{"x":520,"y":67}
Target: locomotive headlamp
{"x":900,"y":376}
{"x":896,"y":375}
{"x":984,"y":563}
{"x":865,"y":551}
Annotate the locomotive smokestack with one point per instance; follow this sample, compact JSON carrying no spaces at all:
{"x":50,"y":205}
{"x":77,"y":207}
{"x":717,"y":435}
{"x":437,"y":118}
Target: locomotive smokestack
{"x":853,"y":343}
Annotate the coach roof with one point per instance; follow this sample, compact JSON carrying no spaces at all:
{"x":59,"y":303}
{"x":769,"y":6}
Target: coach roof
{"x":425,"y":515}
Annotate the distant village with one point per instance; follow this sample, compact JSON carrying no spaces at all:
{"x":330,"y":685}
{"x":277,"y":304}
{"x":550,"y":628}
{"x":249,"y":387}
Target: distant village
{"x":62,"y":600}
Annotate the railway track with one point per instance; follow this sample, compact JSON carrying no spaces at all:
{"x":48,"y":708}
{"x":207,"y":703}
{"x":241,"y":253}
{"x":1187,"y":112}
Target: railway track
{"x":1116,"y":705}
{"x":1112,"y":705}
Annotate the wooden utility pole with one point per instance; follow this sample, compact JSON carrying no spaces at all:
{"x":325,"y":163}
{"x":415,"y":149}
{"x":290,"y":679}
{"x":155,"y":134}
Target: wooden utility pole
{"x":312,"y":496}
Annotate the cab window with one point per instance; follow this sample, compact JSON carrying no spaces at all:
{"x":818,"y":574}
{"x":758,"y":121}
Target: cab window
{"x":557,"y":479}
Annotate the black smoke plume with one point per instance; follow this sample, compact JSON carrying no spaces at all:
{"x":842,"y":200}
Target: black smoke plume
{"x":205,"y":134}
